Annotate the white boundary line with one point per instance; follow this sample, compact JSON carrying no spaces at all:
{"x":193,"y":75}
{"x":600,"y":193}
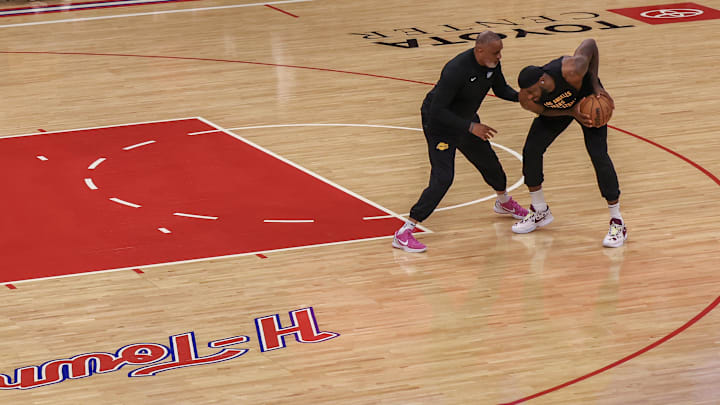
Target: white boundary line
{"x":185,"y":10}
{"x":203,"y":259}
{"x":317,"y":176}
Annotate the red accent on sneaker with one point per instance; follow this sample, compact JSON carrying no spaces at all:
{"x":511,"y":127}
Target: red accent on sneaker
{"x":619,"y":222}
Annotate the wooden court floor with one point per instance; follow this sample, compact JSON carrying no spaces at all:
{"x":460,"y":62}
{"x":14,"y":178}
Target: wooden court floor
{"x":334,"y":87}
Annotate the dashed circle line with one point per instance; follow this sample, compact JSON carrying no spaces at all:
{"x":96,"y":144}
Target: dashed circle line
{"x":138,"y":145}
{"x":123,"y":202}
{"x":96,"y":163}
{"x":182,"y":214}
{"x":92,"y":186}
{"x":289,"y":221}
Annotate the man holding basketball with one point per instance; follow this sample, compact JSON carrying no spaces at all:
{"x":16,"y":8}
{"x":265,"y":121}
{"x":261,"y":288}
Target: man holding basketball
{"x":553,"y":91}
{"x":450,"y":123}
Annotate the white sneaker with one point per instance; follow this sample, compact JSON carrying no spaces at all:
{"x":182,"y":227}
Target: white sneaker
{"x":533,"y":220}
{"x":617,"y":235}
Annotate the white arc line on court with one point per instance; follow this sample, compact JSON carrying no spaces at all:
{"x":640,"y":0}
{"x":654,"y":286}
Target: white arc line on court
{"x":96,"y":163}
{"x":90,"y":184}
{"x":41,"y":157}
{"x":465,"y":204}
{"x":305,"y":125}
{"x":180,"y":214}
{"x":123,"y":202}
{"x":289,"y":221}
{"x":304,"y":170}
{"x":510,"y":151}
{"x":164,"y":230}
{"x":137,"y":145}
{"x":185,"y":10}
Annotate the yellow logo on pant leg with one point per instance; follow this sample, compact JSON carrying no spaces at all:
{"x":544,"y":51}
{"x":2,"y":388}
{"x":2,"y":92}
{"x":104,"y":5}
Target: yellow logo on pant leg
{"x":441,"y":146}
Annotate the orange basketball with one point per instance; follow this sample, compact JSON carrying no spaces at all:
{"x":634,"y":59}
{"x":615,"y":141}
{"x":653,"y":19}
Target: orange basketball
{"x":599,"y":109}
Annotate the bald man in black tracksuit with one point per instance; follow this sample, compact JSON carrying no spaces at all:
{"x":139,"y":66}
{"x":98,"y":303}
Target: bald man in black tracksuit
{"x":450,"y":123}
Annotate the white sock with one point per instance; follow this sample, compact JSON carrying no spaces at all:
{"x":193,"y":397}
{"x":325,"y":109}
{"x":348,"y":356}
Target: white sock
{"x":538,"y":200}
{"x":407,"y":225}
{"x":503,"y":198}
{"x":615,"y":210}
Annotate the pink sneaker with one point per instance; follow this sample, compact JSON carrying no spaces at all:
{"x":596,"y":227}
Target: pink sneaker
{"x":407,"y":242}
{"x":510,"y":208}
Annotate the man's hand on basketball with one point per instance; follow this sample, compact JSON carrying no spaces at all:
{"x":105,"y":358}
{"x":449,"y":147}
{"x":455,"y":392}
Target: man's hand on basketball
{"x":601,"y":92}
{"x":582,"y":118}
{"x":482,"y":131}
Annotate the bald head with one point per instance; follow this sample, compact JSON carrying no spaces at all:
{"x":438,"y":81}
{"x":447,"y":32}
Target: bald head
{"x":487,"y":49}
{"x":486,"y":37}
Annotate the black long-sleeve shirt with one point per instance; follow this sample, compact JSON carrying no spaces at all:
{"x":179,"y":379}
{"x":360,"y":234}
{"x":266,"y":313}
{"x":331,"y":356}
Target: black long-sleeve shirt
{"x":454,"y":100}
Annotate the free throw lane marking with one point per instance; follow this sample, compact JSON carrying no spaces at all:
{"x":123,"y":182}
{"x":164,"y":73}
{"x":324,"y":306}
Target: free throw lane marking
{"x":200,"y":258}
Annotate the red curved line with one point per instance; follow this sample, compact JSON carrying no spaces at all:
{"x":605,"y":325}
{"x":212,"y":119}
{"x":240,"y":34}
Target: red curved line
{"x":216,"y":60}
{"x":557,"y":387}
{"x":626,"y":358}
{"x":282,"y":11}
{"x":662,"y":340}
{"x":697,"y":166}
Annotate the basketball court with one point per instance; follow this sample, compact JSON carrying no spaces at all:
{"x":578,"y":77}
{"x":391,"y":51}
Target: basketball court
{"x":203,"y":194}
